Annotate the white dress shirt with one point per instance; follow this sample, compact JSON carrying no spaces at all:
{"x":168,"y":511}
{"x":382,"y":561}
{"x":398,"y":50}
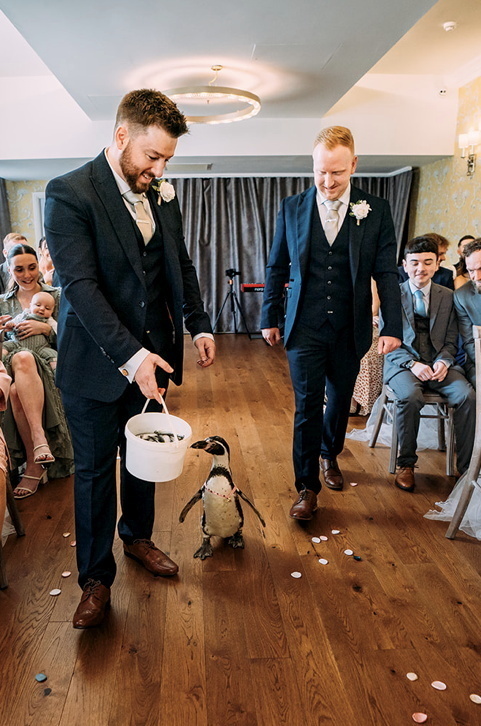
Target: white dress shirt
{"x":342,"y":211}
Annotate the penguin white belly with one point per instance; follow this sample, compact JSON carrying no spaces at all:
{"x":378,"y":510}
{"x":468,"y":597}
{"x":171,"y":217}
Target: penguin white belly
{"x":221,"y":516}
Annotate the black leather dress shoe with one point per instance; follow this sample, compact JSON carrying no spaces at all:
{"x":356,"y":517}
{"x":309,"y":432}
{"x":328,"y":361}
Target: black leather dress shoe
{"x":305,"y":506}
{"x":333,"y":478}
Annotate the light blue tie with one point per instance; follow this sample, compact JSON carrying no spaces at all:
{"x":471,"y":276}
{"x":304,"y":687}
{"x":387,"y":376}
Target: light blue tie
{"x":419,"y":306}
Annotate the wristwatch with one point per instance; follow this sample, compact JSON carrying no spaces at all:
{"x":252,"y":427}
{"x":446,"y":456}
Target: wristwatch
{"x":410,"y":364}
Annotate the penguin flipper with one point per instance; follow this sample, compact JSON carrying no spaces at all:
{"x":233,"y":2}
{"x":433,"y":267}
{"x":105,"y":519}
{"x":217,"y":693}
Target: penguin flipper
{"x":248,"y":501}
{"x":189,"y":505}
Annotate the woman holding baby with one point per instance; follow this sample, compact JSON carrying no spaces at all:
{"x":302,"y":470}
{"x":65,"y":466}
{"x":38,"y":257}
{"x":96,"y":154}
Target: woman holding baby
{"x":34,"y":425}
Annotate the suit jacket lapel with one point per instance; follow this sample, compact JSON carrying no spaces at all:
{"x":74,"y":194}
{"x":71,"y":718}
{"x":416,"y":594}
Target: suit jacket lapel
{"x":407,"y":303}
{"x":434,"y":303}
{"x":306,"y":208}
{"x":109,"y":194}
{"x":356,"y":232}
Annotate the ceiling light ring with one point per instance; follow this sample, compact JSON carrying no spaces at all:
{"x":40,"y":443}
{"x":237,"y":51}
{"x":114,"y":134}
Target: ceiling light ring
{"x":218,"y":93}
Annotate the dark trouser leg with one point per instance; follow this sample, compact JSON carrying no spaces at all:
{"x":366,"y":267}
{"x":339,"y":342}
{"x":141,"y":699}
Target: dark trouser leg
{"x":459,"y":394}
{"x":341,"y":373}
{"x":307,"y":365}
{"x":94,"y":430}
{"x":313,"y":356}
{"x":409,"y":393}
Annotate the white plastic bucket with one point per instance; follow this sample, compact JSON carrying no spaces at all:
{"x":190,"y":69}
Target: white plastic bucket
{"x":152,"y":460}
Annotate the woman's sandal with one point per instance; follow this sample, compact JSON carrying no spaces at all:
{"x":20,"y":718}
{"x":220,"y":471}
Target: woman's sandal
{"x":46,"y":458}
{"x":22,"y":492}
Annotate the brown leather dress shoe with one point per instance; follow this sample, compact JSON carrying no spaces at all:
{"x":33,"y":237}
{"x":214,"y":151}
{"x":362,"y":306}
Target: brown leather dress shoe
{"x":147,"y":554}
{"x":93,"y":605}
{"x":305,"y":506}
{"x":405,"y":478}
{"x":333,"y":478}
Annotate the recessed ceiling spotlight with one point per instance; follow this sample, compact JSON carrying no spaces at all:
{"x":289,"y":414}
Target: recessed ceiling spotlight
{"x":450,"y":25}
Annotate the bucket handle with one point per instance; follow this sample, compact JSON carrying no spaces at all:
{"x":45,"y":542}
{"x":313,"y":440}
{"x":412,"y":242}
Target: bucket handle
{"x":166,"y":410}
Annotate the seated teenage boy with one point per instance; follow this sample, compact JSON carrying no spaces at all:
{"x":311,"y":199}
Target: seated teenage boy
{"x":425,"y":360}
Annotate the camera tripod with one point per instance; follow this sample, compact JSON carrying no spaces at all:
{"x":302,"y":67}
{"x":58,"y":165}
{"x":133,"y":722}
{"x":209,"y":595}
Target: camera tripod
{"x":235,"y":305}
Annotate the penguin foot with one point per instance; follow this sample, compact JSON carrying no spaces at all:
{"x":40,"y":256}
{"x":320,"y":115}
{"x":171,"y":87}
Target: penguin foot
{"x":205,"y":550}
{"x":236,"y":541}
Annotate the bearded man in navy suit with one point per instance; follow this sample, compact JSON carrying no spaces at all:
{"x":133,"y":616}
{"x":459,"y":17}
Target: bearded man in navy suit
{"x":128,"y":285}
{"x":329,"y":242}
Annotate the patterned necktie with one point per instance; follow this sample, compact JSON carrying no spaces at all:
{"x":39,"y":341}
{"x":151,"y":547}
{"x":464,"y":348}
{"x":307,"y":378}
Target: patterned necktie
{"x":331,"y":224}
{"x":419,"y":306}
{"x":142,"y":217}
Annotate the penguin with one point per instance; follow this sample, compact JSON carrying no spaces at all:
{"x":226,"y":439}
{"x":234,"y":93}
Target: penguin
{"x":222,"y":516}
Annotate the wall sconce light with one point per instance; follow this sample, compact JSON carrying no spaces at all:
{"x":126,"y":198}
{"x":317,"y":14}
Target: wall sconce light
{"x":468,"y":142}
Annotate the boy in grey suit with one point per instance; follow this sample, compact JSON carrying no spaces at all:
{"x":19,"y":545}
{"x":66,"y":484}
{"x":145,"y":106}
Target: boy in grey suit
{"x":425,"y":360}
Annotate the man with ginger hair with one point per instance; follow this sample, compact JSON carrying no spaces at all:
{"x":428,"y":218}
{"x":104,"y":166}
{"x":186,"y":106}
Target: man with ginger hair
{"x":329,"y":242}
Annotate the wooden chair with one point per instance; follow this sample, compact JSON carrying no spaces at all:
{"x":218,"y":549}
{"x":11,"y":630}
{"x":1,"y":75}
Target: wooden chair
{"x":442,"y":412}
{"x":470,"y":479}
{"x":17,"y":523}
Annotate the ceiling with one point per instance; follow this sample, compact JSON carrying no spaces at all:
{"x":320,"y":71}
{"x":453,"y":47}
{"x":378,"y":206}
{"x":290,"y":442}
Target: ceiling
{"x":64,"y":67}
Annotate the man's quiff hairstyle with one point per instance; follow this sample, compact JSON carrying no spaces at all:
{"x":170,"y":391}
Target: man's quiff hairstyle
{"x":333,"y":136}
{"x":471,"y":247}
{"x":147,"y":107}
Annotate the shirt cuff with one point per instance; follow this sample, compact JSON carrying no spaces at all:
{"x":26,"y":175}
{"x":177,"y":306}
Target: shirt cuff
{"x":129,"y":369}
{"x":203,"y":335}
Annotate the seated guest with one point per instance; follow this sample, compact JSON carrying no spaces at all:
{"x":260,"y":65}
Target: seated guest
{"x":5,"y":381}
{"x":46,"y":265}
{"x":467,"y":302}
{"x":34,"y":424}
{"x":443,"y":275}
{"x":425,"y":360}
{"x":462,"y":276}
{"x":41,"y":308}
{"x":9,"y":241}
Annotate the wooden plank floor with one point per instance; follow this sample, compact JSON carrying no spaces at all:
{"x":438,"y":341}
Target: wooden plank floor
{"x":235,"y":640}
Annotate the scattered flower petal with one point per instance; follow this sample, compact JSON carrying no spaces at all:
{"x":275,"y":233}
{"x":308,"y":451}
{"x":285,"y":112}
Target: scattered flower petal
{"x":475,"y":698}
{"x":357,"y":558}
{"x":336,"y":531}
{"x":297,"y":575}
{"x":412,"y":676}
{"x":354,"y":483}
{"x":439,"y":685}
{"x":420,"y":717}
{"x":323,"y":538}
{"x":56,"y":591}
{"x":323,"y":561}
{"x":66,"y":534}
{"x":67,"y":573}
{"x":316,"y":540}
{"x":40,"y":677}
{"x":73,"y":543}
{"x":348,"y":552}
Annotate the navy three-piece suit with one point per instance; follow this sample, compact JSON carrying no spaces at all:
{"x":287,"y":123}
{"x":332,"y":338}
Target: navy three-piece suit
{"x":118,"y":296}
{"x":328,"y":319}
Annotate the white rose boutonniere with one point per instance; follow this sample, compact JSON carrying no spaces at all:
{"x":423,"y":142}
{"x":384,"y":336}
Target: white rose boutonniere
{"x":165,"y":191}
{"x":360,"y":210}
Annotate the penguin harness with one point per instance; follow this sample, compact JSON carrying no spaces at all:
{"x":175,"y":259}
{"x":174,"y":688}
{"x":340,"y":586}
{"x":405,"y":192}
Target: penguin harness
{"x":222,"y":516}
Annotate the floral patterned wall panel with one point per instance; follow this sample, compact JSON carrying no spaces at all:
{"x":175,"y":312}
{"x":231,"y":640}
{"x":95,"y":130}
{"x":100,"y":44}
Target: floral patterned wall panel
{"x":448,"y":201}
{"x":21,"y":205}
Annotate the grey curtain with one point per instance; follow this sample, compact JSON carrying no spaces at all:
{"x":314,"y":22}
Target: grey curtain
{"x":230,"y":222}
{"x":5,"y":224}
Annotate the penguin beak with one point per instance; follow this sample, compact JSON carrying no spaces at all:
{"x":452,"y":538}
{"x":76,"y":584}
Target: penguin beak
{"x":199,"y":444}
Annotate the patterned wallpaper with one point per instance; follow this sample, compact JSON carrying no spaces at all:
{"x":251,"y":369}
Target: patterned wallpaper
{"x":20,"y":202}
{"x":445,"y":199}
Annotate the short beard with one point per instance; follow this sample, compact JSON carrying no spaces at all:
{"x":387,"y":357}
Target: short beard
{"x":131,"y":173}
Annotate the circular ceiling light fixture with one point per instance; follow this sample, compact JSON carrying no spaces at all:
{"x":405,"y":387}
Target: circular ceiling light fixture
{"x":212,"y":98}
